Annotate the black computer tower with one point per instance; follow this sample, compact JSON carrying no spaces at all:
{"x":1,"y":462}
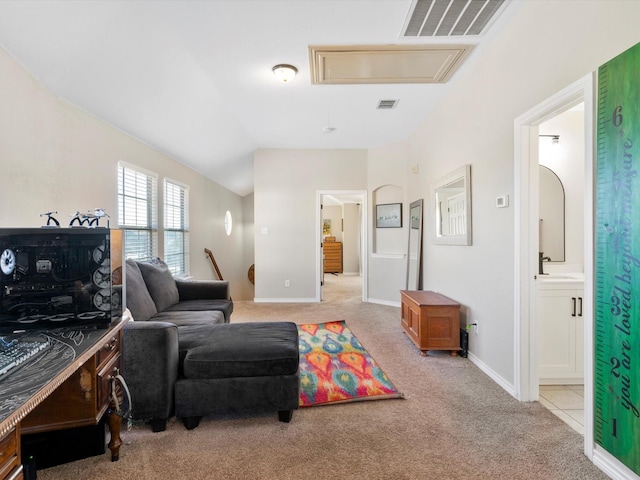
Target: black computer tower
{"x":57,"y":277}
{"x":464,"y":343}
{"x":44,"y":450}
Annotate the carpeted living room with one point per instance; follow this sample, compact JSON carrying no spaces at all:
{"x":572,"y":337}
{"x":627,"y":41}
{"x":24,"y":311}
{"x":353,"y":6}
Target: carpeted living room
{"x":333,"y":157}
{"x":453,"y":421}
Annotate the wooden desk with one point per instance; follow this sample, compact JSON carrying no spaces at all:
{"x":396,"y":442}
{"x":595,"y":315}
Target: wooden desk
{"x":68,"y":385}
{"x":431,"y":320}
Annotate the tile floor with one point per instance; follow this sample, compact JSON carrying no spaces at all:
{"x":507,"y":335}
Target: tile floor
{"x":566,"y":402}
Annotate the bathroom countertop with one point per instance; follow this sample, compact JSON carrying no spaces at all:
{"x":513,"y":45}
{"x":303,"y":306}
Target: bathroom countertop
{"x":568,"y":280}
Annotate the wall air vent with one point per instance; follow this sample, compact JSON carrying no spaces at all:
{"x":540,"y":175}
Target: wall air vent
{"x":387,"y":104}
{"x":450,"y":18}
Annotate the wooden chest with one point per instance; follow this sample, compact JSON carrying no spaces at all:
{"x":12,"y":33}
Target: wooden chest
{"x":431,"y":320}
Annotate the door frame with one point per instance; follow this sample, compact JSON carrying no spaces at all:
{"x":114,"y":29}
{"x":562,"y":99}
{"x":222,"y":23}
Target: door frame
{"x":526,"y":243}
{"x":363,"y":238}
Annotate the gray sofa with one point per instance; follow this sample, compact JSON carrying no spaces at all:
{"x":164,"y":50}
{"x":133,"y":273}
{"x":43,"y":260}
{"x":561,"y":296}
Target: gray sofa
{"x":182,"y":356}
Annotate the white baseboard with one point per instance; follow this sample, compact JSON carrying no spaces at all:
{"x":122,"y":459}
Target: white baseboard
{"x":285,"y":300}
{"x":384,"y":302}
{"x":493,"y":375}
{"x":611,"y":465}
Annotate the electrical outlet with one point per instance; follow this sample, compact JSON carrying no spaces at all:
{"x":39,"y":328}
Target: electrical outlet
{"x":475,"y":328}
{"x":287,"y":283}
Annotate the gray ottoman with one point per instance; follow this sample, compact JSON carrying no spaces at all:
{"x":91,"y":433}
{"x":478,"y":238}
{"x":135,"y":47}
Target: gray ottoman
{"x":239,"y":368}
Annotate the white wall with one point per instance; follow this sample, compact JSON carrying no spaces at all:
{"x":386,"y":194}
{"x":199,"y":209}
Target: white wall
{"x":547,"y":46}
{"x":248,"y":233}
{"x":56,"y":157}
{"x":351,"y":252}
{"x":333,"y":213}
{"x":388,"y":165}
{"x":286,"y":186}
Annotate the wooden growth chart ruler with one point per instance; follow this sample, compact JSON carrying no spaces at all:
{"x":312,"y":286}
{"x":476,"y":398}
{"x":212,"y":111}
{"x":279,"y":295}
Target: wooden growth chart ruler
{"x":617,"y":260}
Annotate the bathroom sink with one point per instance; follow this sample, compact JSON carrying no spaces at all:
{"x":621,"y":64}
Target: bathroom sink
{"x":562,"y":277}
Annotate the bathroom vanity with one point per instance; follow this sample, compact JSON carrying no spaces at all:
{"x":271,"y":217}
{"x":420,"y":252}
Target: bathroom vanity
{"x":560,"y":329}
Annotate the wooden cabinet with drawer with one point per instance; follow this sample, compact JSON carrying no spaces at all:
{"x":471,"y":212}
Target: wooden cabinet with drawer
{"x":76,"y":393}
{"x":332,"y":257}
{"x":10,"y":467}
{"x":83,"y":398}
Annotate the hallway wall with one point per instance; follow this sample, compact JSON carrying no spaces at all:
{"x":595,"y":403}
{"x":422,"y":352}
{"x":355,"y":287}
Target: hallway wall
{"x":474,"y":124}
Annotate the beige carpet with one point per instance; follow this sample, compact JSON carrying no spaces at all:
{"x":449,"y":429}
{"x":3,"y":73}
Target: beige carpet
{"x":454,"y":423}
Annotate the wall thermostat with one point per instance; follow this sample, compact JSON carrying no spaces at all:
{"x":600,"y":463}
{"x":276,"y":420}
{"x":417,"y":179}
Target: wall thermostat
{"x":503,"y":201}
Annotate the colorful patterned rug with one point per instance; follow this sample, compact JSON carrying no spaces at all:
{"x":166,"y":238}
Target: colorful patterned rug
{"x":335,"y":367}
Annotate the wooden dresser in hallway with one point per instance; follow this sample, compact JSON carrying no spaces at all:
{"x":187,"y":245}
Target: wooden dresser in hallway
{"x":332,"y":257}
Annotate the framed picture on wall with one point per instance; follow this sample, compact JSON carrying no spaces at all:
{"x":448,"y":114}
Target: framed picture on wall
{"x":389,"y":215}
{"x":326,"y":226}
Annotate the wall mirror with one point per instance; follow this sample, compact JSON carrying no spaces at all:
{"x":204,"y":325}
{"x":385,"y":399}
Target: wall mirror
{"x":414,"y":249}
{"x":452,"y":205}
{"x":551,"y":210}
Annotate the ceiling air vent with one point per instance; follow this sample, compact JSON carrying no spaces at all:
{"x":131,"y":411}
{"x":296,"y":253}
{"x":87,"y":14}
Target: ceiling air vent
{"x":450,"y":18}
{"x":387,"y":104}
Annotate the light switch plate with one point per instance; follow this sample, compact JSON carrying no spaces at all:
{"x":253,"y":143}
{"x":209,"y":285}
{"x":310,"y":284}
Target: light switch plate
{"x":503,"y":201}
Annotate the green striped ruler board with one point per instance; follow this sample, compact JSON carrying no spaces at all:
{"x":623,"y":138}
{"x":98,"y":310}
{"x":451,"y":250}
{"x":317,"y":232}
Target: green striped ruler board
{"x":617,"y":260}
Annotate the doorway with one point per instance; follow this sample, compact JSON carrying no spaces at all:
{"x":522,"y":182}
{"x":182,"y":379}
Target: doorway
{"x":560,"y":276}
{"x":342,"y":229}
{"x":526,"y":155}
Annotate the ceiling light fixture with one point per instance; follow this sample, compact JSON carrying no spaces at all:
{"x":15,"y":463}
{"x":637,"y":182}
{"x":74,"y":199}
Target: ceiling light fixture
{"x":284,"y":72}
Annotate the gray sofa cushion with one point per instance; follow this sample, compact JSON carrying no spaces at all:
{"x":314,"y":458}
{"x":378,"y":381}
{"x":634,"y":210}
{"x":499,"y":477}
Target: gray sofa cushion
{"x":160,"y":283}
{"x":244,"y":350}
{"x":190,"y":336}
{"x":210,"y":317}
{"x":139,"y":302}
{"x":225,"y":306}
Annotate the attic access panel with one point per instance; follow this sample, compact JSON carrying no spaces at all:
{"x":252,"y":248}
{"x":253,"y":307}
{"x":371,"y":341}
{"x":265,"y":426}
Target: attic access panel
{"x":377,"y":64}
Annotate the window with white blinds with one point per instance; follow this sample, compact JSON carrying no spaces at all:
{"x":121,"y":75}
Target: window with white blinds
{"x":137,"y":212}
{"x":176,"y":227}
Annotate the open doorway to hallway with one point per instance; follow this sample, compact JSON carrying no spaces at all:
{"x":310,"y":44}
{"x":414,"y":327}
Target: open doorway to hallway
{"x":342,"y":289}
{"x":343,"y":245}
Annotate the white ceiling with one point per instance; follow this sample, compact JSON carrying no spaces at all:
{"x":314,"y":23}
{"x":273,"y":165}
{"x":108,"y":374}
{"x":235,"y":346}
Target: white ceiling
{"x":193,"y":78}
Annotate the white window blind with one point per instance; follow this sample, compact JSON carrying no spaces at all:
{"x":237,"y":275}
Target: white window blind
{"x":176,"y":227}
{"x":137,"y":212}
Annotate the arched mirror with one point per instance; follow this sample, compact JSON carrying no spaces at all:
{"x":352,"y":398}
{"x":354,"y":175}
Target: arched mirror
{"x":551,"y":233}
{"x":414,"y":250}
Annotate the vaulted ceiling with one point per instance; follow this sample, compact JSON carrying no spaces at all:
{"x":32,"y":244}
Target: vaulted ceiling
{"x":193,"y":78}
